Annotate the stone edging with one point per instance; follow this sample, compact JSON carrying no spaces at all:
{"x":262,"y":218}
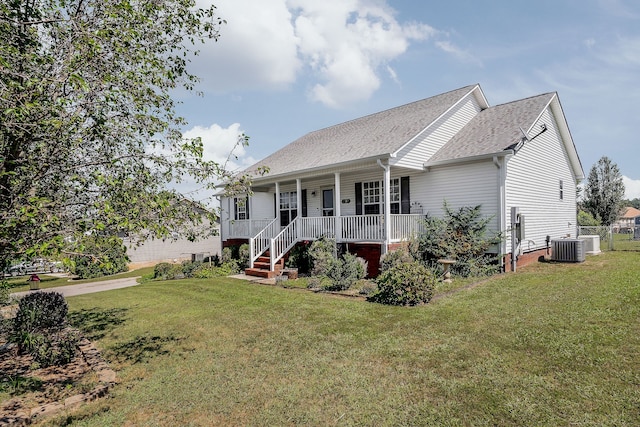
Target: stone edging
{"x":106,"y":379}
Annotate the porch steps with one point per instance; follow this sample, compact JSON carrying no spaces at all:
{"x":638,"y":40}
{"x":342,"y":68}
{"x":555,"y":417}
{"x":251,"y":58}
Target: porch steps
{"x":261,"y":267}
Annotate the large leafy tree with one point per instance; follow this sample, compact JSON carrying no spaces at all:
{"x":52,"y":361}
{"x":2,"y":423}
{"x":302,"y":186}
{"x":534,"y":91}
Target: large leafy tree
{"x":89,"y":137}
{"x":604,"y":191}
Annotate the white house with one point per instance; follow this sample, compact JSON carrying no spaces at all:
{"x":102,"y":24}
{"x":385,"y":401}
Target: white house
{"x":369,"y":182}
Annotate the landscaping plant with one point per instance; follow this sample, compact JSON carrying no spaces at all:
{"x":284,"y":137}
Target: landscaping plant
{"x":408,"y":283}
{"x":39,"y":329}
{"x":461,"y":235}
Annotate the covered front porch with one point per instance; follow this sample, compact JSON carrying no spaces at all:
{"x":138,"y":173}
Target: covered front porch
{"x":366,"y":204}
{"x":268,"y":238}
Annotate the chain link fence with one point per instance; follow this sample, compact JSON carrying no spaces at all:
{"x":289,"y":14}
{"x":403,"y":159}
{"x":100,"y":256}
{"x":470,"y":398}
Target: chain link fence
{"x":614,"y":239}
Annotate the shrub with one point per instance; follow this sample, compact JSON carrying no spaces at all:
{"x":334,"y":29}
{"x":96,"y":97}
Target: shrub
{"x":299,"y":258}
{"x":227,"y":254}
{"x":57,"y":349}
{"x":405,"y":284}
{"x":226,"y":269}
{"x":160,"y":271}
{"x":41,"y":310}
{"x":243,"y":255}
{"x":38,"y":329}
{"x":322,"y":253}
{"x":188,"y":267}
{"x":5,"y":293}
{"x":393,"y":258}
{"x":460,"y":235}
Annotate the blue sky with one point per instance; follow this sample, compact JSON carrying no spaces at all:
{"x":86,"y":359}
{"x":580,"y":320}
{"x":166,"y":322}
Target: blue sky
{"x":282,"y":68}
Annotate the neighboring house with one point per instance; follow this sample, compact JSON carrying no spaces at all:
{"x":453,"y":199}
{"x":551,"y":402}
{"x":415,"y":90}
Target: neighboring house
{"x":154,"y":251}
{"x":369,"y":182}
{"x":627,"y":221}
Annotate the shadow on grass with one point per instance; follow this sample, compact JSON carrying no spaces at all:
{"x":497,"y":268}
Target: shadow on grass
{"x":95,"y":323}
{"x":143,"y":348}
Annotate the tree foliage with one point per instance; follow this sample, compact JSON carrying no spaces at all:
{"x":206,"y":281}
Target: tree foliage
{"x":97,"y":256}
{"x":89,"y":136}
{"x":604,"y":191}
{"x":461,"y":235}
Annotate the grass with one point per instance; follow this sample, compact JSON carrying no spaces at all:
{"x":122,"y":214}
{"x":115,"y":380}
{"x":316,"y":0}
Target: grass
{"x":554,"y":344}
{"x":19,"y":284}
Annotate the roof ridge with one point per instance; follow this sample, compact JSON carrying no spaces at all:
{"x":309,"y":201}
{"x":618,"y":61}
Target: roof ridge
{"x":524,"y":99}
{"x":392,"y":108}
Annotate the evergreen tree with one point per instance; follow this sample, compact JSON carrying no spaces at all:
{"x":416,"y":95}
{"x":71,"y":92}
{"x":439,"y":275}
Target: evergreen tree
{"x":604,"y":191}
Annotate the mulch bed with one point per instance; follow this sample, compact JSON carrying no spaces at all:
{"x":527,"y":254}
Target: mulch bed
{"x":36,"y":393}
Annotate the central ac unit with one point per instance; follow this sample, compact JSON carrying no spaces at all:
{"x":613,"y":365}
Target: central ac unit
{"x":568,"y":250}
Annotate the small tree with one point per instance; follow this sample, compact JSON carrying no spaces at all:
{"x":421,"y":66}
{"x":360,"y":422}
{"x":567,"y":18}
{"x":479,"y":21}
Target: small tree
{"x":604,"y":191}
{"x":462,"y":235}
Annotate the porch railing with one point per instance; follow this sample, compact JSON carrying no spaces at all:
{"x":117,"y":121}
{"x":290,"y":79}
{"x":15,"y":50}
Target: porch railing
{"x":355,"y":228}
{"x":261,"y":242}
{"x":404,"y":227}
{"x":247,"y":228}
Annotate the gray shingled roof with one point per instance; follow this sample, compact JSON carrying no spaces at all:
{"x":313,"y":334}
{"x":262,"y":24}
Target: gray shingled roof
{"x":378,"y":134}
{"x":494,"y":129}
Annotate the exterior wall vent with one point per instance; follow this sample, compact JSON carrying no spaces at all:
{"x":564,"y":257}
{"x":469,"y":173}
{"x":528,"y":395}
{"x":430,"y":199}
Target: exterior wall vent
{"x":568,"y":250}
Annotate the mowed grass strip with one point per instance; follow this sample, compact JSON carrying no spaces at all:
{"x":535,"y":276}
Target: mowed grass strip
{"x":554,"y":344}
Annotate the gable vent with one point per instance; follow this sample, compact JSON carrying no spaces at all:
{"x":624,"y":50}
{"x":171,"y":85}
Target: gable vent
{"x":568,"y":250}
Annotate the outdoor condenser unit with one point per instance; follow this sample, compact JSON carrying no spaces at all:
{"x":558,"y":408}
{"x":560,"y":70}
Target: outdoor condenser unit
{"x":568,"y":250}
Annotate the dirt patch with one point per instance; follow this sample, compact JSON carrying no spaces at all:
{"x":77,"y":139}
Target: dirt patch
{"x":38,"y":393}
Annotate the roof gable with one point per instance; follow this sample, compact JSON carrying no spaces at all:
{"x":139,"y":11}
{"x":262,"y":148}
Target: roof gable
{"x":494,"y":129}
{"x":377,"y":134}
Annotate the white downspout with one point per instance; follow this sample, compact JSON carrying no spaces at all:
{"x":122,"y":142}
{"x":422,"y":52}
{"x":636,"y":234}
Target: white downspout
{"x":502,"y":224}
{"x":387,"y":204}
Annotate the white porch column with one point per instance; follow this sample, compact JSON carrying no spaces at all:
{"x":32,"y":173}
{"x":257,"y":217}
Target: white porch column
{"x":299,"y":196}
{"x":337,"y":205}
{"x":277,"y":207}
{"x":387,"y":205}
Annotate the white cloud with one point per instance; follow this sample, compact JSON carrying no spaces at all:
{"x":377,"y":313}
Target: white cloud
{"x":343,"y":45}
{"x":220,"y":145}
{"x":631,"y":188}
{"x":257,"y":47}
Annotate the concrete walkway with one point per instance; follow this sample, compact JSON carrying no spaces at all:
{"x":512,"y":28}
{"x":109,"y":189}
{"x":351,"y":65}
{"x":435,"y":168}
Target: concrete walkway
{"x":88,"y":288}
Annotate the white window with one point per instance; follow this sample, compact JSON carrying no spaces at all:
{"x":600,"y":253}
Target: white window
{"x":288,"y":207}
{"x":372,"y":197}
{"x":241,"y":205}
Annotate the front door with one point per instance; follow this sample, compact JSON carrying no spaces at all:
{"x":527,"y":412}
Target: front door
{"x":327,"y":202}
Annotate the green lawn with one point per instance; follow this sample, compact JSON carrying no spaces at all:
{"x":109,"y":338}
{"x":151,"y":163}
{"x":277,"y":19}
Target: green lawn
{"x":554,"y":344}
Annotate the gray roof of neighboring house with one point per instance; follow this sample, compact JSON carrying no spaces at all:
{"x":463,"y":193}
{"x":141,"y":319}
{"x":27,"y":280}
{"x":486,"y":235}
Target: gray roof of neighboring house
{"x":494,"y":129}
{"x":377,"y":134}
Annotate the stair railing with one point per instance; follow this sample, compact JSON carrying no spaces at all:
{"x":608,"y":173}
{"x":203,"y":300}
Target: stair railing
{"x":262,"y":241}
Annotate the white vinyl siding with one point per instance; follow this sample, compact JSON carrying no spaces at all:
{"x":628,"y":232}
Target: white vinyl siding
{"x":462,"y":185}
{"x":419,"y":151}
{"x":532,"y":184}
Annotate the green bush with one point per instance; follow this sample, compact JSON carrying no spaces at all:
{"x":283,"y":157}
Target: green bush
{"x":161,"y":270}
{"x":57,"y":349}
{"x":243,"y":255}
{"x":460,"y":235}
{"x":226,"y":269}
{"x":227,"y":254}
{"x":39,"y":329}
{"x":405,"y":284}
{"x":103,"y":256}
{"x":41,"y":310}
{"x":393,"y":258}
{"x":322,"y":253}
{"x":299,"y":258}
{"x":188,"y":267}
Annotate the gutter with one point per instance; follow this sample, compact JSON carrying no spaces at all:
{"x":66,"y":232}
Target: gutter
{"x":294,"y":174}
{"x":489,"y":156}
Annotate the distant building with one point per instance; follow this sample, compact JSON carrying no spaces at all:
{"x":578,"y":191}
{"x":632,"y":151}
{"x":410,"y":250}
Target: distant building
{"x":627,"y":220}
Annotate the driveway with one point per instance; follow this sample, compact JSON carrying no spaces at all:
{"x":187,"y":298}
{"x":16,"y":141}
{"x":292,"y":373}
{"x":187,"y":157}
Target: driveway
{"x":88,"y":288}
